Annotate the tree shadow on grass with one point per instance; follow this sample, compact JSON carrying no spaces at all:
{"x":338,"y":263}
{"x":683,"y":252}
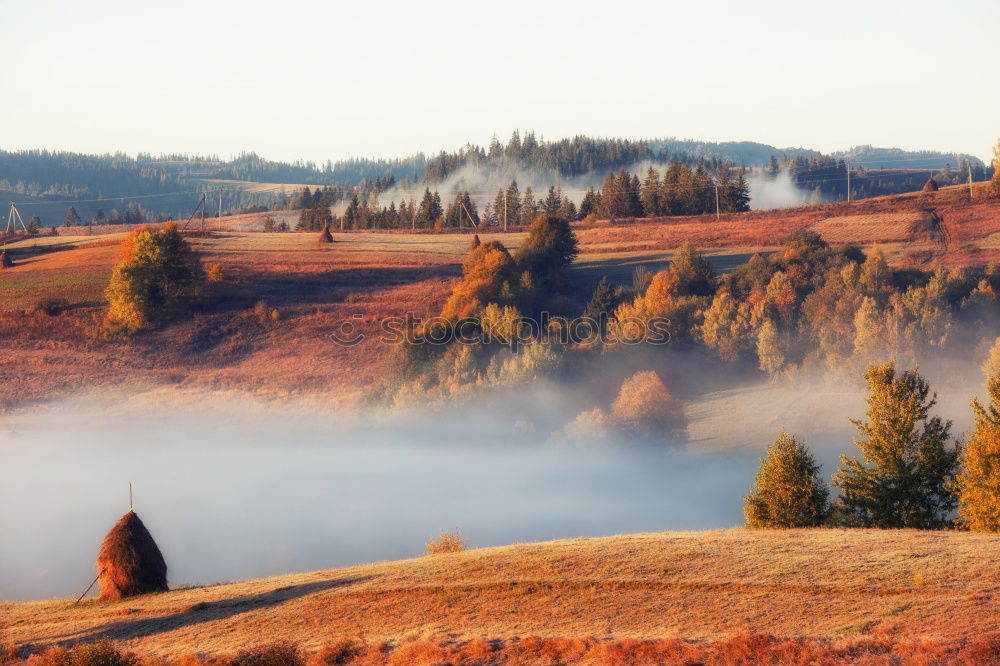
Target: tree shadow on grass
{"x":206,"y":611}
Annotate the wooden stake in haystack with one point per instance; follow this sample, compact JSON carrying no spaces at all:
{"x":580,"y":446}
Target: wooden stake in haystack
{"x":130,"y":562}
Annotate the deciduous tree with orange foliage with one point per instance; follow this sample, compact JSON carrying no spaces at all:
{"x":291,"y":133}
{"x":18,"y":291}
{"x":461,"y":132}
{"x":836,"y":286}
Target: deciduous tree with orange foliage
{"x":157,"y":276}
{"x":978,"y":485}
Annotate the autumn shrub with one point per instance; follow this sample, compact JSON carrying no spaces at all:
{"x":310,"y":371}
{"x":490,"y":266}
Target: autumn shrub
{"x":216,"y":273}
{"x":265,"y":314}
{"x":103,"y":653}
{"x":50,"y":306}
{"x":157,"y":276}
{"x":274,"y":654}
{"x":788,"y":490}
{"x":446,"y":542}
{"x":336,"y":653}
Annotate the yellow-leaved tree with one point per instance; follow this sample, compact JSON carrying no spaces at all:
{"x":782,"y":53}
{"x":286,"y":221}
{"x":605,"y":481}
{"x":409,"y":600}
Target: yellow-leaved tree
{"x":978,"y":484}
{"x":788,"y":491}
{"x":157,"y":276}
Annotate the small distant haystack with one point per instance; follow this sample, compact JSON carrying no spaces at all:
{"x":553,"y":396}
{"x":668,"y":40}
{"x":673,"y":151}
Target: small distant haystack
{"x":931,"y":185}
{"x":130,"y":562}
{"x":474,"y":243}
{"x":325,"y":236}
{"x":5,"y":261}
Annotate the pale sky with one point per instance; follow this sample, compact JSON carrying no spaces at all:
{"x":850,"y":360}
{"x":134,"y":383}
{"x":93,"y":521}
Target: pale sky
{"x":320,"y":80}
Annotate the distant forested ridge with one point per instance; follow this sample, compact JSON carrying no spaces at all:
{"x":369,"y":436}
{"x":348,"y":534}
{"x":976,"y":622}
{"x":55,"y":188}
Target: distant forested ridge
{"x":170,"y":185}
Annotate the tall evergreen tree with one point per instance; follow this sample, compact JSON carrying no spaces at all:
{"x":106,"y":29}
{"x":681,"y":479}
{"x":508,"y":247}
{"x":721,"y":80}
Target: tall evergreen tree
{"x":908,"y":467}
{"x":72,"y":217}
{"x":651,"y":194}
{"x":552,"y":202}
{"x":529,"y":208}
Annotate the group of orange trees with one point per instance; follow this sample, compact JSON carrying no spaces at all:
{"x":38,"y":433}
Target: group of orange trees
{"x":909,"y":474}
{"x":808,"y":305}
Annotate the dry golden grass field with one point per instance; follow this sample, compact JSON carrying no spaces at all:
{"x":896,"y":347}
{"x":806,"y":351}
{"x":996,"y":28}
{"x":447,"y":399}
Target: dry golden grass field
{"x":871,"y":589}
{"x":364,"y":276}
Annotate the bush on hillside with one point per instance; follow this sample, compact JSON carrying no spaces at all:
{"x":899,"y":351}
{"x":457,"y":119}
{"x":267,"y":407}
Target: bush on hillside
{"x":446,"y":542}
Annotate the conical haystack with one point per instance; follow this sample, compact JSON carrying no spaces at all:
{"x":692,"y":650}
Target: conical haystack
{"x":931,"y":185}
{"x":325,"y":236}
{"x":474,"y":243}
{"x":130,"y":562}
{"x":5,"y":261}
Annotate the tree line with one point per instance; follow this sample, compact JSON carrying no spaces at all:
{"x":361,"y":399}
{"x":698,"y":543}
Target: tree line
{"x":910,"y":473}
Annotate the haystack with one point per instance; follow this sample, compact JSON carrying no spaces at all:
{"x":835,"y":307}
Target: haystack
{"x":474,"y":243}
{"x":5,"y":261}
{"x":130,"y":562}
{"x":931,"y":185}
{"x":325,"y":236}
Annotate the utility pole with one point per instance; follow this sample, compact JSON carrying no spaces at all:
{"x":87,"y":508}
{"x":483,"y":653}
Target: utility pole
{"x":220,"y":209}
{"x":504,"y":210}
{"x":848,"y":181}
{"x":13,"y":217}
{"x":971,"y":196}
{"x":717,"y":202}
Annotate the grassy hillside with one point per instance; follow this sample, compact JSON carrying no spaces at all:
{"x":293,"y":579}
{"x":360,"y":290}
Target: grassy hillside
{"x":885,"y":587}
{"x":366,"y":276}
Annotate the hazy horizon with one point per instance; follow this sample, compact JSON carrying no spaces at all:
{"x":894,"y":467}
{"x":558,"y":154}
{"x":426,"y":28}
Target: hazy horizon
{"x":317,"y":82}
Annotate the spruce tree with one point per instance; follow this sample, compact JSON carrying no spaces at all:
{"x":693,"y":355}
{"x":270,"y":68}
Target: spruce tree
{"x":602,"y":303}
{"x":72,"y":217}
{"x":908,"y":467}
{"x":978,"y":484}
{"x":788,"y":490}
{"x":651,"y":194}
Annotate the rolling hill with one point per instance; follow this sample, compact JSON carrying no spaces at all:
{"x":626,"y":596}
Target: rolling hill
{"x":781,"y":596}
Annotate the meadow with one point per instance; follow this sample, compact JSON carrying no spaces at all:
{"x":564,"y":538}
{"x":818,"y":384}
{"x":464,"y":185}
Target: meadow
{"x":866,"y":591}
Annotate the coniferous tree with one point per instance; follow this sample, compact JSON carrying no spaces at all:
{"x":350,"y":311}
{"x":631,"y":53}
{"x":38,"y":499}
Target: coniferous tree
{"x":651,"y":191}
{"x":512,"y":200}
{"x":552,"y":202}
{"x":908,"y":467}
{"x":529,"y":208}
{"x":602,"y":304}
{"x":788,"y":490}
{"x":34,"y":225}
{"x":591,"y":204}
{"x":549,"y":248}
{"x":72,"y":217}
{"x":430,"y":209}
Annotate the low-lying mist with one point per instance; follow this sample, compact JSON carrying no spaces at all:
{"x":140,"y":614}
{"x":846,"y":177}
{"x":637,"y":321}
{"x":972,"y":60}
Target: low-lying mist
{"x":234,"y":490}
